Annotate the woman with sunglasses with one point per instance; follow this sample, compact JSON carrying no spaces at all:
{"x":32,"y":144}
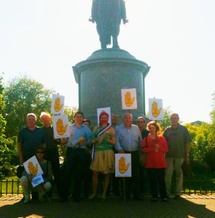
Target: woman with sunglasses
{"x":26,"y":179}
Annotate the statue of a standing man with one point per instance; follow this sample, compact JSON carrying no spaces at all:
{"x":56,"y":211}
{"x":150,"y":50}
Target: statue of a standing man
{"x":108,"y":15}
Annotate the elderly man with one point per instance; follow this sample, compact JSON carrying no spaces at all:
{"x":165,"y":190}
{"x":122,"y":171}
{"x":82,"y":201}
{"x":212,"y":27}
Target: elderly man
{"x":128,"y":140}
{"x":51,"y":152}
{"x":178,"y":140}
{"x":30,"y":137}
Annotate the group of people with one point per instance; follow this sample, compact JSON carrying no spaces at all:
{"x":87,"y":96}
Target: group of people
{"x":91,"y":153}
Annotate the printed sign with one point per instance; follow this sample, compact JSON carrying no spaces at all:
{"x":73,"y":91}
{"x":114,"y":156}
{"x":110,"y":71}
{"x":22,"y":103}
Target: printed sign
{"x":123,"y":165}
{"x":155,"y":109}
{"x":60,"y":126}
{"x":57,"y":104}
{"x":105,"y":109}
{"x":33,"y":168}
{"x":129,"y":99}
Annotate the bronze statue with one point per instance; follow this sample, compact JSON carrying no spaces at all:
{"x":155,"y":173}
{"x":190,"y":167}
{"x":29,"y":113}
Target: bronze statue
{"x":108,"y":15}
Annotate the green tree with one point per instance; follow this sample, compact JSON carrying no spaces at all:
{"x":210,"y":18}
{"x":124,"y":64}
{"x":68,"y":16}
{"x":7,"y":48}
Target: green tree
{"x":23,"y":96}
{"x":210,"y":155}
{"x":70,"y":112}
{"x":166,"y":121}
{"x":5,"y":143}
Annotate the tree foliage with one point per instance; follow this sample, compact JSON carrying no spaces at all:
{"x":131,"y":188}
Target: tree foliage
{"x":5,"y":143}
{"x":23,"y":96}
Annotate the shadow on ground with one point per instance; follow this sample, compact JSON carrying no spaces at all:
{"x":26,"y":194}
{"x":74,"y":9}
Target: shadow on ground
{"x":112,"y":207}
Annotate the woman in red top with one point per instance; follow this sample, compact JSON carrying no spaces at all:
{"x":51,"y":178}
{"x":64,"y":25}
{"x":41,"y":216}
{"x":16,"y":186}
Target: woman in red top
{"x":155,"y":147}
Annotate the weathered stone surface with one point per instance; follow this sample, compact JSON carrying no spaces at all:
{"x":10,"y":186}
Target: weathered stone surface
{"x":101,"y":78}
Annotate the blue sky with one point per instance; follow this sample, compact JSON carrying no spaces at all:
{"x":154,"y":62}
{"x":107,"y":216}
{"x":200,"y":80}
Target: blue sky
{"x":43,"y":39}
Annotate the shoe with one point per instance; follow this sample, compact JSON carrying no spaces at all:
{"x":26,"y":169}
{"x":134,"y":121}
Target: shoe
{"x":92,"y":196}
{"x":41,"y":196}
{"x":138,"y":199}
{"x":154,"y":200}
{"x":27,"y":200}
{"x":142,"y":196}
{"x":164,"y":199}
{"x":177,"y":197}
{"x":63,"y":200}
{"x":76,"y":199}
{"x":103,"y":197}
{"x":117,"y":194}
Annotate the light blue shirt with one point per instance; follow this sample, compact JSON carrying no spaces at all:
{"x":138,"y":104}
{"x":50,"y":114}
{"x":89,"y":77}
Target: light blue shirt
{"x":128,"y":139}
{"x":76,"y":133}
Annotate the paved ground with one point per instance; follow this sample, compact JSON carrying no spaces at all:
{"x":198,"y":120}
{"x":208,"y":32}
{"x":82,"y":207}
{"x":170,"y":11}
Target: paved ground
{"x":113,"y":207}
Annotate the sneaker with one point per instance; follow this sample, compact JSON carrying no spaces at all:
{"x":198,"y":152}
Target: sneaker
{"x":27,"y":199}
{"x":141,"y":196}
{"x":154,"y":200}
{"x":177,"y":197}
{"x":41,"y":196}
{"x":164,"y":199}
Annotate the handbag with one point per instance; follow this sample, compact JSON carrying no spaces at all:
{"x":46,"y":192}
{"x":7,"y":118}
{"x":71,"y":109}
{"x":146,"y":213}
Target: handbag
{"x":19,"y":171}
{"x":143,"y":155}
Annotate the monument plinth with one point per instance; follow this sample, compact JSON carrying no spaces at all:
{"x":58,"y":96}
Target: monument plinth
{"x":101,"y":78}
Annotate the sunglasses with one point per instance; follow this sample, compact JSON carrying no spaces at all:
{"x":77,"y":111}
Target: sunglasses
{"x":40,"y":152}
{"x":140,"y":121}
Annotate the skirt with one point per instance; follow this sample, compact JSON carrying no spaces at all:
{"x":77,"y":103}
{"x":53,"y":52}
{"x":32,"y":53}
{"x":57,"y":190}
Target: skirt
{"x":103,"y":162}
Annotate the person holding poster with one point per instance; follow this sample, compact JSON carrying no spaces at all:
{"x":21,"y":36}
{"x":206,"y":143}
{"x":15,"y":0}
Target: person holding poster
{"x":128,"y":140}
{"x":103,"y":159}
{"x":77,"y":158}
{"x":155,"y":147}
{"x":51,"y":152}
{"x":141,"y":122}
{"x":26,"y":179}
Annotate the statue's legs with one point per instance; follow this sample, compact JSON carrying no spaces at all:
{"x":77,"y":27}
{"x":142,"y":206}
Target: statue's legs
{"x":115,"y":42}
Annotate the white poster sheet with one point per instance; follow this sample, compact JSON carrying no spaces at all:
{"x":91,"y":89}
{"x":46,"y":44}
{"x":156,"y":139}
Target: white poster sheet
{"x":57,"y":104}
{"x":129,"y":99}
{"x":60,"y":126}
{"x":107,"y":110}
{"x":32,"y":167}
{"x":155,"y":109}
{"x":123,"y":165}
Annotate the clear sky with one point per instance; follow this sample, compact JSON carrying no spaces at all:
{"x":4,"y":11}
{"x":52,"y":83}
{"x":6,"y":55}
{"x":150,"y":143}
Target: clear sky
{"x":43,"y":39}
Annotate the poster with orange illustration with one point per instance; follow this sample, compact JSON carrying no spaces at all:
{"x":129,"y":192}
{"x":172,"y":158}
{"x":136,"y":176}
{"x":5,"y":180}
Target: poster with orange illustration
{"x":33,"y":168}
{"x":60,"y":126}
{"x":105,"y":109}
{"x":129,"y":99}
{"x":155,"y":109}
{"x":123,"y":165}
{"x":57,"y":104}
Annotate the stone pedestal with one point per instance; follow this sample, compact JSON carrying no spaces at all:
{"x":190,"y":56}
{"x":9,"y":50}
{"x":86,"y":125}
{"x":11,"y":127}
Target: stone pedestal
{"x":101,"y":78}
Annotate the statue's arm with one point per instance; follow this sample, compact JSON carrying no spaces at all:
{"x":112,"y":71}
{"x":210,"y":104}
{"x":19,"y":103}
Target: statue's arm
{"x":94,"y":10}
{"x":123,"y":12}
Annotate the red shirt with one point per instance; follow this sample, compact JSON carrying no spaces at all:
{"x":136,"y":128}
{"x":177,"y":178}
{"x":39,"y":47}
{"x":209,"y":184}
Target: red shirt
{"x":155,"y":159}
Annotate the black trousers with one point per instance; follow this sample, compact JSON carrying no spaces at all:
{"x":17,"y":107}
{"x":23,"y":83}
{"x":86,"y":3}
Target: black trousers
{"x":132,"y":184}
{"x":157,"y":181}
{"x":74,"y":168}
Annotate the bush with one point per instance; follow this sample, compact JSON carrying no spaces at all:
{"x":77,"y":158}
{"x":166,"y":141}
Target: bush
{"x":199,"y":167}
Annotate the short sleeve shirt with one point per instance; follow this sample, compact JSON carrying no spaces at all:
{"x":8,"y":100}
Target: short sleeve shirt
{"x":30,"y":140}
{"x":176,"y":138}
